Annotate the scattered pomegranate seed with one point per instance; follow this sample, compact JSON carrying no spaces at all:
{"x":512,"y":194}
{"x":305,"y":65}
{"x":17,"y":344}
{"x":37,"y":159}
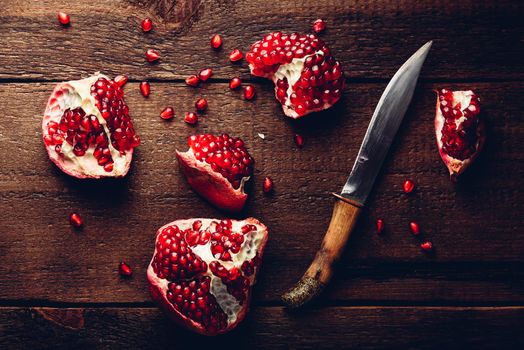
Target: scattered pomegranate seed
{"x":205,"y":74}
{"x":267,"y":185}
{"x":145,"y":88}
{"x":192,"y":80}
{"x":415,"y":229}
{"x":380,"y":226}
{"x":152,"y":55}
{"x":191,"y":118}
{"x":236,"y":55}
{"x":408,"y":186}
{"x":63,"y":18}
{"x":235,"y":83}
{"x":124,"y":269}
{"x":319,"y":26}
{"x":249,"y":92}
{"x":299,"y":140}
{"x":76,"y":220}
{"x":216,"y":41}
{"x":121,"y":80}
{"x":201,"y":104}
{"x":147,"y":25}
{"x":167,"y":113}
{"x":426,"y":246}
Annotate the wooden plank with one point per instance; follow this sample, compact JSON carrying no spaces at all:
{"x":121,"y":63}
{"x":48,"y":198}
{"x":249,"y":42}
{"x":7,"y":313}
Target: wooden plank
{"x":49,"y":261}
{"x":472,"y":40}
{"x":270,"y":327}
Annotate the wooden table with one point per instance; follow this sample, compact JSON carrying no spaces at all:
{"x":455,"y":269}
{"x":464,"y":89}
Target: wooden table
{"x":60,"y":288}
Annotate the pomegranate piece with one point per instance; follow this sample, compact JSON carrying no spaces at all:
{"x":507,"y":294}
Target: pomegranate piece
{"x":216,"y":41}
{"x":192,"y":80}
{"x":267,"y":186}
{"x":235,"y":83}
{"x":124,"y":269}
{"x":380,"y":226}
{"x":249,"y":92}
{"x":63,"y":18}
{"x":201,"y":104}
{"x":167,"y":113}
{"x":191,"y":118}
{"x":203,"y":270}
{"x":307,"y":77}
{"x":408,"y":186}
{"x":426,"y":246}
{"x":152,"y":55}
{"x":319,"y":26}
{"x":147,"y":25}
{"x":236,"y":55}
{"x":205,"y":74}
{"x":75,"y":220}
{"x":87,"y":129}
{"x":459,"y":130}
{"x":121,"y":80}
{"x":145,"y":88}
{"x":415,"y":229}
{"x":217,"y":167}
{"x":299,"y":140}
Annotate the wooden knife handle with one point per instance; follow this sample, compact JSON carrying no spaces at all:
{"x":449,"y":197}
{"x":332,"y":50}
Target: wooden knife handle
{"x":345,"y":214}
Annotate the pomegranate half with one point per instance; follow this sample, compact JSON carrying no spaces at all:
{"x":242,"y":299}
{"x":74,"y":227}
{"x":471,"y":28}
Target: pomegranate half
{"x":203,"y":270}
{"x":459,"y":130}
{"x":87,"y":129}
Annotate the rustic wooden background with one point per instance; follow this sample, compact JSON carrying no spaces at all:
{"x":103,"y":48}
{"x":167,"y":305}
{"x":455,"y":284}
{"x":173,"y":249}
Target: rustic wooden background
{"x":60,"y":288}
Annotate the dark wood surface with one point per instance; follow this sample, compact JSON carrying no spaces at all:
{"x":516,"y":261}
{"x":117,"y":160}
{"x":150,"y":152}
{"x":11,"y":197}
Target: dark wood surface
{"x":59,"y":288}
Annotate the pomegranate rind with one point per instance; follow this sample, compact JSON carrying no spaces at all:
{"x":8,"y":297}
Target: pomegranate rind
{"x":57,"y":103}
{"x":456,"y":166}
{"x":158,"y":287}
{"x":211,"y":185}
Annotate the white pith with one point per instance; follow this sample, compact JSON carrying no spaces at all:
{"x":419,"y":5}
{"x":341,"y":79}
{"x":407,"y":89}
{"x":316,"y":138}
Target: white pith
{"x":252,"y":243}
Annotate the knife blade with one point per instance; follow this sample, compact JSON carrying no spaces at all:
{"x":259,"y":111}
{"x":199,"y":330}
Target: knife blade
{"x":382,"y":128}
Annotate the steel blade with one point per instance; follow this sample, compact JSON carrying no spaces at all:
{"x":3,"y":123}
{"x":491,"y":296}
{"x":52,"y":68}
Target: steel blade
{"x":383,"y":126}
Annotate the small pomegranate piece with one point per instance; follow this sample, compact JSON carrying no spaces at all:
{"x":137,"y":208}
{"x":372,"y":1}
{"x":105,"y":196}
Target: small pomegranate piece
{"x":216,"y":41}
{"x":191,"y":118}
{"x":235,"y":83}
{"x":124,"y":269}
{"x":145,"y":88}
{"x":147,"y":25}
{"x":87,"y":129}
{"x":299,"y":140}
{"x":408,"y":186}
{"x":249,"y":92}
{"x":192,"y":80}
{"x":267,"y":186}
{"x":236,"y":55}
{"x":63,"y":18}
{"x":201,"y":104}
{"x":203,"y":270}
{"x":426,"y":246}
{"x":121,"y":80}
{"x":319,"y":26}
{"x":380,"y":226}
{"x":217,"y":167}
{"x":167,"y":113}
{"x":76,"y":220}
{"x":307,"y":77}
{"x":152,"y":55}
{"x":205,"y":74}
{"x":415,"y":229}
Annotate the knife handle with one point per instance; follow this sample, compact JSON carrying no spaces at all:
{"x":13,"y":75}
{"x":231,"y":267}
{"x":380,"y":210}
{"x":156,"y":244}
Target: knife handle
{"x":343,"y":219}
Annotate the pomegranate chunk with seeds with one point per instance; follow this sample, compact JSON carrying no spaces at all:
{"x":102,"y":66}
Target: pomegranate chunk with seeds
{"x":206,"y":292}
{"x":87,"y":129}
{"x":307,"y":77}
{"x":217,"y":167}
{"x":459,"y":130}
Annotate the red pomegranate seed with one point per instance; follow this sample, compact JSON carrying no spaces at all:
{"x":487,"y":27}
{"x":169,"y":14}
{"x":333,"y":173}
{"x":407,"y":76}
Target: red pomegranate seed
{"x":121,"y":80}
{"x":249,"y":92}
{"x":76,"y":220}
{"x":152,"y":55}
{"x":216,"y":41}
{"x":319,"y":25}
{"x":426,"y":246}
{"x":236,"y":55}
{"x":63,"y":18}
{"x":205,"y":74}
{"x":235,"y":83}
{"x":299,"y":140}
{"x":191,"y":118}
{"x":147,"y":25}
{"x":192,"y":80}
{"x":415,"y":229}
{"x":167,"y":113}
{"x":380,"y":226}
{"x":201,"y":104}
{"x":145,"y":88}
{"x":408,"y":186}
{"x":124,"y":269}
{"x":267,"y":185}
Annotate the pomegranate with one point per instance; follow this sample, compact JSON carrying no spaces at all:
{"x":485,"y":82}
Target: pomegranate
{"x":217,"y":167}
{"x":191,"y":118}
{"x":192,"y":80}
{"x":267,"y":185}
{"x":426,"y":246}
{"x":152,"y":55}
{"x":216,"y":41}
{"x":236,"y":55}
{"x":203,"y":270}
{"x":408,"y":186}
{"x":414,"y":227}
{"x":380,"y":226}
{"x":76,"y":220}
{"x":299,"y":140}
{"x":167,"y":113}
{"x":307,"y":77}
{"x":205,"y":74}
{"x":63,"y":18}
{"x":201,"y":104}
{"x":249,"y":92}
{"x":87,"y":129}
{"x":235,"y":83}
{"x":319,"y":26}
{"x":124,"y":269}
{"x":147,"y":25}
{"x":459,"y":130}
{"x":145,"y":88}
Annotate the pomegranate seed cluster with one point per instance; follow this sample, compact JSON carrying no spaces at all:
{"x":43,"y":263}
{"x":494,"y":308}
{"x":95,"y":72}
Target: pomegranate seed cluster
{"x":459,"y":134}
{"x":226,"y":155}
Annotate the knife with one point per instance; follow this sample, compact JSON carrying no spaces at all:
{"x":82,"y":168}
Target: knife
{"x":382,"y":128}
